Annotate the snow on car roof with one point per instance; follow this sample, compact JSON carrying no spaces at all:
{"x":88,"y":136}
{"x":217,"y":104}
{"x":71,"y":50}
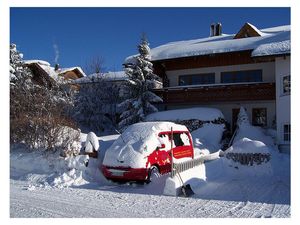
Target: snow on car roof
{"x":201,"y":113}
{"x":143,"y":130}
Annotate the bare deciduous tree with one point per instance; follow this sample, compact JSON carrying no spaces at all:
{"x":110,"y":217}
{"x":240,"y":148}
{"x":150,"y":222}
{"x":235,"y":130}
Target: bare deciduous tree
{"x":95,"y":65}
{"x":38,"y":114}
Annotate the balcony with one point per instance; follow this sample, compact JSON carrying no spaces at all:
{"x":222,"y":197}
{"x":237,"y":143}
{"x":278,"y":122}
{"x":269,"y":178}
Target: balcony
{"x":217,"y":93}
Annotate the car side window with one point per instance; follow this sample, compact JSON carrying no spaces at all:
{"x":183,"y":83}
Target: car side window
{"x":185,"y":139}
{"x":181,"y":139}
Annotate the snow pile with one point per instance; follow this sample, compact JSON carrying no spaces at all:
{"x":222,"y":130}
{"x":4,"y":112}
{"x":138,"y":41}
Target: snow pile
{"x":136,"y":142}
{"x":246,"y":130}
{"x":200,"y":113}
{"x":246,"y":145}
{"x":91,"y":143}
{"x":253,"y":133}
{"x":195,"y":177}
{"x":208,"y":138}
{"x":51,"y":170}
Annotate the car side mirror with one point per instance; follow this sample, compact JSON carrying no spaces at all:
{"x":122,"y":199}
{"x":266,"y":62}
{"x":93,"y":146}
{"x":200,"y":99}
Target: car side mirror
{"x":162,"y":146}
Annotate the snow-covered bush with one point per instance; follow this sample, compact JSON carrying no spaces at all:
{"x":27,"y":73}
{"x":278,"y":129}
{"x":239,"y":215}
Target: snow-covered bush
{"x":37,"y":111}
{"x":68,"y":141}
{"x":137,"y":94}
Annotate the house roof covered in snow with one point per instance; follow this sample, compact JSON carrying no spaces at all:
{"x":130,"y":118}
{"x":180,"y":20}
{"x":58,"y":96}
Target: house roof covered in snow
{"x":109,"y":76}
{"x":54,"y":74}
{"x":269,"y":41}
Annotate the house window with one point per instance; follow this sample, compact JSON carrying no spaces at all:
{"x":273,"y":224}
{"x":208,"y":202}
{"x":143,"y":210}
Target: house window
{"x":207,"y":78}
{"x":287,"y":132}
{"x":241,"y":76}
{"x":286,"y":84}
{"x":259,"y":117}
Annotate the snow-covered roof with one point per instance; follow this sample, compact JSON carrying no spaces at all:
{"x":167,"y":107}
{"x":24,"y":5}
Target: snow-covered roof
{"x":256,"y":29}
{"x":274,"y":48}
{"x":38,"y":61}
{"x":109,"y":76}
{"x":218,"y":44}
{"x":201,"y":113}
{"x":44,"y":65}
{"x":65,"y":70}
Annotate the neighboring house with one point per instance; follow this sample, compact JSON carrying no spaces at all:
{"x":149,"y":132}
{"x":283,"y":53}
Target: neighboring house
{"x":250,"y":68}
{"x":115,"y":77}
{"x":44,"y":74}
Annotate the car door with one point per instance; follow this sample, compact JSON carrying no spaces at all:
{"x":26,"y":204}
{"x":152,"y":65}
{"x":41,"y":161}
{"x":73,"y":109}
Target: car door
{"x":182,"y":145}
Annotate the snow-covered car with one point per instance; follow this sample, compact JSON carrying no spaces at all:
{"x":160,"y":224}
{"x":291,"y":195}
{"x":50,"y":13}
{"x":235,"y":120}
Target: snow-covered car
{"x":143,"y":151}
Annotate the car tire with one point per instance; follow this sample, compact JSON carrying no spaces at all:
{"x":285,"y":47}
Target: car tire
{"x":153,"y":174}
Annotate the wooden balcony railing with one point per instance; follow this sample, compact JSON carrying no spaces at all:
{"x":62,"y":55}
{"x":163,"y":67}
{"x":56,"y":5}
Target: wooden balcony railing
{"x":217,"y":93}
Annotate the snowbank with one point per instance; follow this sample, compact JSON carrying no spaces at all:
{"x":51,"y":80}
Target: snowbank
{"x":253,"y":133}
{"x":208,"y":137}
{"x":246,"y":145}
{"x":195,"y":177}
{"x":200,"y":113}
{"x":51,"y":170}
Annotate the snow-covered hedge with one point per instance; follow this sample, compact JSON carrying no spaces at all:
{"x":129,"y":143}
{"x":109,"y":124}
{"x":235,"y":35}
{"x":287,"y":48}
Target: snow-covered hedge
{"x":192,"y":118}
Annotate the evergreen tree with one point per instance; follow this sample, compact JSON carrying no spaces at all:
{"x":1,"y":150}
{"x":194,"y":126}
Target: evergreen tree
{"x":137,"y":91}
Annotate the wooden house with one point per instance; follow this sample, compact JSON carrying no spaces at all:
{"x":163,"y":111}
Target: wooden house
{"x":250,"y":68}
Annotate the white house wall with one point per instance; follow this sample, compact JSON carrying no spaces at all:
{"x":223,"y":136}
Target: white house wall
{"x":283,"y":101}
{"x":267,"y":68}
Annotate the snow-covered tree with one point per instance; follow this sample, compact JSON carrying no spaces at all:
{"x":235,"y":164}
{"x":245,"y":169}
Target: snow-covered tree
{"x":242,"y":118}
{"x":95,"y":105}
{"x":137,"y":90}
{"x":37,"y":113}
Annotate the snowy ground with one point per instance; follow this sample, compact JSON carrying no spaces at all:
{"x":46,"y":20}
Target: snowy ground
{"x":36,"y":193}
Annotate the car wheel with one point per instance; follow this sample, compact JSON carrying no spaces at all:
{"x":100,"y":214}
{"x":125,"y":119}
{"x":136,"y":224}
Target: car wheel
{"x":153,"y":175}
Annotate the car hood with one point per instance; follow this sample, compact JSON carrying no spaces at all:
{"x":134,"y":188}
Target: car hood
{"x":124,"y":156}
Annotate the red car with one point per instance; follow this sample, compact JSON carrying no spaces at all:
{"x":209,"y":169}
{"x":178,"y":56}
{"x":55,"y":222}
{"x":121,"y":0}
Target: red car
{"x":143,"y":151}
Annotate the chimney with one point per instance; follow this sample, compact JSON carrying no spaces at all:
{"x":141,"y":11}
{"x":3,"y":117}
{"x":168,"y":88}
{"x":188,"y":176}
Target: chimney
{"x":215,"y":29}
{"x":218,"y":29}
{"x":212,"y":29}
{"x":56,"y":68}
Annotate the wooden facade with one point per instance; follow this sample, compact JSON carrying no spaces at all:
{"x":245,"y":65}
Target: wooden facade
{"x":218,"y":93}
{"x":247,"y":31}
{"x":71,"y":75}
{"x":205,"y":61}
{"x":40,"y":76}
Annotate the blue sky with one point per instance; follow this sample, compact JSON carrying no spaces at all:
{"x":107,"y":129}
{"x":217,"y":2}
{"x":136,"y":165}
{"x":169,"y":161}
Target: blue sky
{"x":113,"y":33}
